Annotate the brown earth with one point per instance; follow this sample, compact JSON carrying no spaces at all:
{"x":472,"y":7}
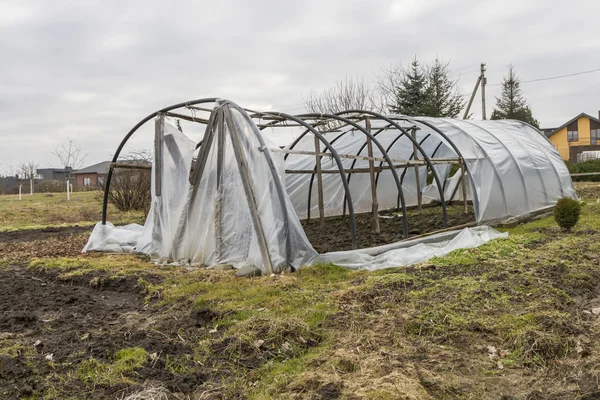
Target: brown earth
{"x":59,"y":324}
{"x":336,"y":235}
{"x":46,"y":242}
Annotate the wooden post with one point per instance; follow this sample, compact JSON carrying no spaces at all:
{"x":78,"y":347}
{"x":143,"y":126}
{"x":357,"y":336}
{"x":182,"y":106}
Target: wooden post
{"x":417,"y":174}
{"x":463,"y":184}
{"x":195,"y":179}
{"x":159,"y":131}
{"x":320,"y":182}
{"x":219,"y":205}
{"x":248,"y":186}
{"x":374,"y":203}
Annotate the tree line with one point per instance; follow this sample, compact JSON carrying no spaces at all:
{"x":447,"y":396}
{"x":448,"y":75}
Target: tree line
{"x":420,"y":89}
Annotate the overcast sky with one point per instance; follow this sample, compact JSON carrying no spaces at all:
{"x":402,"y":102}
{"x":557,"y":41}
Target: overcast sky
{"x":93,"y":69}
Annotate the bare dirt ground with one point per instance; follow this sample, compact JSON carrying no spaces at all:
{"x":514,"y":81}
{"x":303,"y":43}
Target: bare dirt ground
{"x":516,"y":319}
{"x":44,"y":242}
{"x":336,"y":235}
{"x":61,"y":323}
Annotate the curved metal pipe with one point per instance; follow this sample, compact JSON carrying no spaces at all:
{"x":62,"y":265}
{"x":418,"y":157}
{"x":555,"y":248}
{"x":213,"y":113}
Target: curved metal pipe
{"x":467,"y":169}
{"x":335,"y":155}
{"x":385,"y":155}
{"x":130,"y":133}
{"x":425,"y":156}
{"x":358,"y":154}
{"x":511,"y":156}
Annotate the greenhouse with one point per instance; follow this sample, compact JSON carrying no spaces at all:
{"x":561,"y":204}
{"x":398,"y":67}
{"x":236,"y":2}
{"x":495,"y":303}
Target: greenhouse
{"x":232,"y":196}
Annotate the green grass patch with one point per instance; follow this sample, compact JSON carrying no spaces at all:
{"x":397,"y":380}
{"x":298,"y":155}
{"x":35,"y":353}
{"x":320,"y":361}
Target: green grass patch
{"x":94,"y":372}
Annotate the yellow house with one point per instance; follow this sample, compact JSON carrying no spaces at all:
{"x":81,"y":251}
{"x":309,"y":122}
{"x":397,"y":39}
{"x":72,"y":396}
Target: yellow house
{"x":580,"y":134}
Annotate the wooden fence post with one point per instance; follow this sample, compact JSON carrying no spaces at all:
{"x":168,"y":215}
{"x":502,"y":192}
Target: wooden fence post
{"x":374,"y":203}
{"x":248,"y":186}
{"x":320,"y":182}
{"x":417,"y":174}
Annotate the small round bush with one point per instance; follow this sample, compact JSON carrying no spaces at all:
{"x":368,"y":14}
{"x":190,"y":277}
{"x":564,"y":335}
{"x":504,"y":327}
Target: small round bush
{"x":566,"y":213}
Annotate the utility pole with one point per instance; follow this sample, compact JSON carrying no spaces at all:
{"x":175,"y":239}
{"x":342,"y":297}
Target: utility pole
{"x":483,"y":83}
{"x":466,"y":115}
{"x":481,"y":80}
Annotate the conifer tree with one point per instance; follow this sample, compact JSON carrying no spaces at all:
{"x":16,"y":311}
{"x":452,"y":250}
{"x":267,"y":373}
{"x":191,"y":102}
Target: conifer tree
{"x":421,"y":89}
{"x":410,"y":91}
{"x":442,"y":97}
{"x":512,"y":104}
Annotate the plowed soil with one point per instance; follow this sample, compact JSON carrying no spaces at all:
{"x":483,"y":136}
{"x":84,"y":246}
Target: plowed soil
{"x":60,"y":324}
{"x":336,"y":234}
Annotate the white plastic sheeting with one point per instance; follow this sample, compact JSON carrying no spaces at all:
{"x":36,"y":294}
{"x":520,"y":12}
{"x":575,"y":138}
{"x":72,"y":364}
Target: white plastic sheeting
{"x":209,"y":223}
{"x":413,"y":251}
{"x":512,"y":169}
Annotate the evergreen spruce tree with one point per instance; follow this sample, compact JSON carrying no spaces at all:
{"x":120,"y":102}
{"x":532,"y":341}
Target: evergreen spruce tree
{"x":512,"y":104}
{"x":409,"y":94}
{"x":422,"y":90}
{"x":442,"y":97}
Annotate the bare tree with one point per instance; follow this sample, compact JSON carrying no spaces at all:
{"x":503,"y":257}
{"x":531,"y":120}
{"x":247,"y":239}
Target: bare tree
{"x":130,"y":189}
{"x":350,"y":93}
{"x":138,"y":156}
{"x":69,"y":154}
{"x":27,"y":171}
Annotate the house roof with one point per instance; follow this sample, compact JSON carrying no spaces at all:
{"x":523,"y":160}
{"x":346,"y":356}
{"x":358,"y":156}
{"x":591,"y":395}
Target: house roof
{"x":65,"y":170}
{"x":569,"y":122}
{"x":100,"y":168}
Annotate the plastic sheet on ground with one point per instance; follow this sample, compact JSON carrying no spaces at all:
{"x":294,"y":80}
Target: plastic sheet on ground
{"x":122,"y":239}
{"x":412,"y":251}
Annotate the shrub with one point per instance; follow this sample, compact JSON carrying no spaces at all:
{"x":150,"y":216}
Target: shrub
{"x":583,"y":167}
{"x":130,"y":189}
{"x":566,"y":213}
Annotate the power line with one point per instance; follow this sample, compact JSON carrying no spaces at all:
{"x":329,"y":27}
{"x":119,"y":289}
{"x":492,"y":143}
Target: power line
{"x":554,"y":77}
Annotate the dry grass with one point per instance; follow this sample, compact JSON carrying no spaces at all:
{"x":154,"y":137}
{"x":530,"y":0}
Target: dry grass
{"x":512,"y":319}
{"x":42,"y":210}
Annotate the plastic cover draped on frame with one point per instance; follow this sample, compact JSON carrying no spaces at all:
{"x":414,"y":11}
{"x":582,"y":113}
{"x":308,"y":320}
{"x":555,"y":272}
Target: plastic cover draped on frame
{"x":513,"y":169}
{"x":212,"y":224}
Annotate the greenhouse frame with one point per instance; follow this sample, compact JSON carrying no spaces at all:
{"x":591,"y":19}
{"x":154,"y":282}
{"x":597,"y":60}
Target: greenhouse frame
{"x":235,"y":197}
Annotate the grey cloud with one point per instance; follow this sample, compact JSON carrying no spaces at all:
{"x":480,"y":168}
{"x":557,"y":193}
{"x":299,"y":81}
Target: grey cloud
{"x":92,"y":69}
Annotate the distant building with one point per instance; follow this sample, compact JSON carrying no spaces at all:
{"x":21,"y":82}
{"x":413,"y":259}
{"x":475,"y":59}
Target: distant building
{"x":8,"y":184}
{"x":576,"y":136}
{"x":92,"y":176}
{"x":54,"y":174}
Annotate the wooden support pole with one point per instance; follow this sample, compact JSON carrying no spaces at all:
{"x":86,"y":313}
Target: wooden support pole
{"x":319,"y":182}
{"x":159,"y":132}
{"x":374,"y":204}
{"x":381,"y":159}
{"x":195,"y":179}
{"x":353,"y":170}
{"x":417,"y":174}
{"x":116,"y":165}
{"x":463,"y":184}
{"x":187,"y":117}
{"x":248,"y":185}
{"x":219,"y":205}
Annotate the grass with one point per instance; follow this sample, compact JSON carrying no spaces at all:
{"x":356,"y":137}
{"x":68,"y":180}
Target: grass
{"x":42,"y":210}
{"x":421,"y":332}
{"x":94,"y":372}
